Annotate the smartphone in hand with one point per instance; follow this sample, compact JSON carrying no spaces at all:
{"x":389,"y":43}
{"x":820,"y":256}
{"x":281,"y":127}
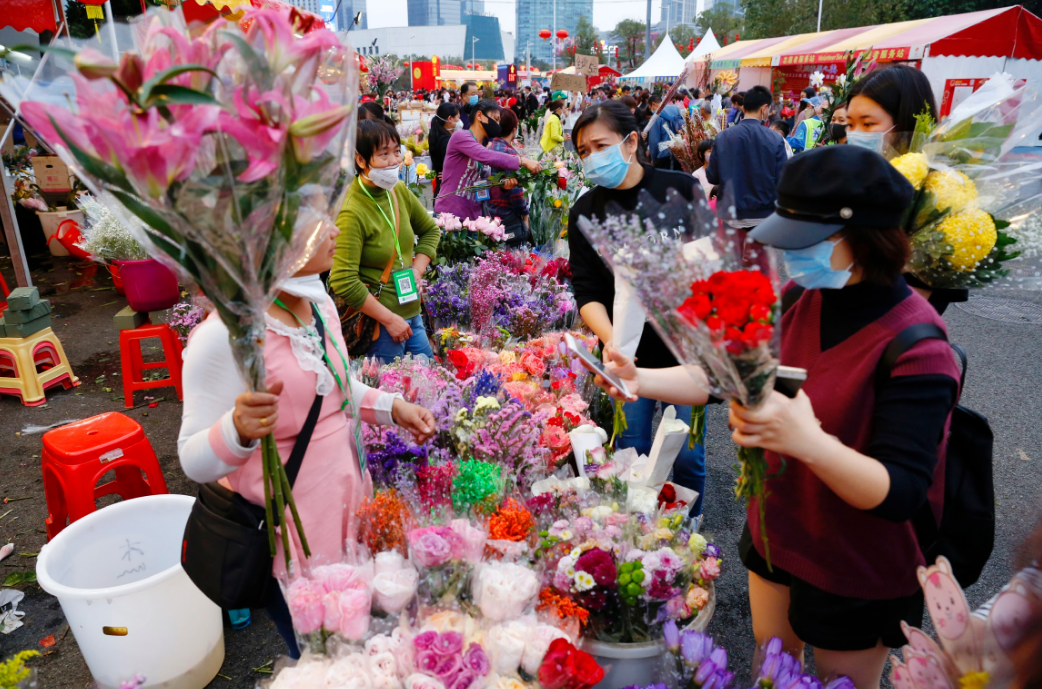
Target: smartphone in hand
{"x":594,"y":363}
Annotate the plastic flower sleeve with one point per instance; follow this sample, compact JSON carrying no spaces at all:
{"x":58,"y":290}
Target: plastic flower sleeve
{"x":976,"y":184}
{"x":664,"y":249}
{"x":221,"y":153}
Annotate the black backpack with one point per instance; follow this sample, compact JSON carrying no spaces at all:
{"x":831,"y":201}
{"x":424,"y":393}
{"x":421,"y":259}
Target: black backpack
{"x":966,"y":534}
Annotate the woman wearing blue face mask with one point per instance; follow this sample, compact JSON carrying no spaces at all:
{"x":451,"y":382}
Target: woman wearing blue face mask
{"x":881,"y":118}
{"x":606,"y":136}
{"x":862,"y":451}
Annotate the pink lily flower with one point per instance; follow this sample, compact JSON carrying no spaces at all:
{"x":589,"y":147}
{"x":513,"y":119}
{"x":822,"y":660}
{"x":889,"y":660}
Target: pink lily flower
{"x":250,"y":127}
{"x":156,"y":154}
{"x":79,"y":131}
{"x":317,"y":123}
{"x":282,"y":48}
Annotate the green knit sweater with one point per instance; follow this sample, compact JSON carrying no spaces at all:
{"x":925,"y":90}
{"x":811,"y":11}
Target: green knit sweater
{"x":366,"y":243}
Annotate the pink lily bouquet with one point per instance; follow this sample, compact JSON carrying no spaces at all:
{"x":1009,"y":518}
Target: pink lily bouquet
{"x":221,"y":152}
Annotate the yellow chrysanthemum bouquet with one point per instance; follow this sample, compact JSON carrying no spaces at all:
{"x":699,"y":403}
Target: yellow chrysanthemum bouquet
{"x":971,"y":180}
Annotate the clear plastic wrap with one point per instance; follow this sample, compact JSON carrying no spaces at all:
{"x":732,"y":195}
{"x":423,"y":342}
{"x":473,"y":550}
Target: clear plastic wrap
{"x":978,"y":181}
{"x":220,"y":151}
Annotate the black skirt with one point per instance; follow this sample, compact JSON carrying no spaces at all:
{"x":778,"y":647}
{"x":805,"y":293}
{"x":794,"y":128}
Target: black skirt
{"x":833,"y":622}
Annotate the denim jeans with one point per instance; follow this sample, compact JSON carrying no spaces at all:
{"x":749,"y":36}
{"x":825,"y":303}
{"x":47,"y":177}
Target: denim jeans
{"x":279,"y":613}
{"x":387,"y":350}
{"x":690,"y":468}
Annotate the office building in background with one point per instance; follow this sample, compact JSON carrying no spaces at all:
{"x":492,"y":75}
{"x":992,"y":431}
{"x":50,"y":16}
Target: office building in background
{"x":536,"y":15}
{"x":434,"y":12}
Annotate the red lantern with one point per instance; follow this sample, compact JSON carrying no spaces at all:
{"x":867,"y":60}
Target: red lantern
{"x":545,"y":34}
{"x":691,"y":45}
{"x":736,"y":37}
{"x":562,"y":34}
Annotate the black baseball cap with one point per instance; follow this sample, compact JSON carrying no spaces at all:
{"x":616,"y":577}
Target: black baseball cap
{"x":826,"y":189}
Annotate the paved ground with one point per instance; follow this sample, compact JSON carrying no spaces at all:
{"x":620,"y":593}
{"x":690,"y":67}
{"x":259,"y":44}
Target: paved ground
{"x":1004,"y":384}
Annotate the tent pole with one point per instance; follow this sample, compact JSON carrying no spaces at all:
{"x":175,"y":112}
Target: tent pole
{"x":647,"y":34}
{"x":11,"y":232}
{"x":820,"y":2}
{"x":110,"y":22}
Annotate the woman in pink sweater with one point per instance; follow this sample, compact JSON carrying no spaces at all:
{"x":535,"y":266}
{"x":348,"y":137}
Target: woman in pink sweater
{"x":223,"y":422}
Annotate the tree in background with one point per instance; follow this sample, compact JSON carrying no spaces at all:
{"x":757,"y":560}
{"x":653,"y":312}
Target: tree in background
{"x":585,"y":39}
{"x":724,"y":24}
{"x":629,"y":33}
{"x":681,"y":35}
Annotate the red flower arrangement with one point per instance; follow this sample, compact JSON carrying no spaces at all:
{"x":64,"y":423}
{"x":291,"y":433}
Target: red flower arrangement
{"x":566,"y":667}
{"x":511,"y":522}
{"x":562,"y":606}
{"x":737,"y":306}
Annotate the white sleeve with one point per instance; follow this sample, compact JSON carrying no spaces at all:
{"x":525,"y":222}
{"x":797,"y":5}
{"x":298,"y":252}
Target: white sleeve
{"x":374,"y":406}
{"x":208,"y":444}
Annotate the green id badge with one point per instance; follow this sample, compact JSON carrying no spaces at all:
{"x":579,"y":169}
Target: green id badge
{"x":405,"y":285}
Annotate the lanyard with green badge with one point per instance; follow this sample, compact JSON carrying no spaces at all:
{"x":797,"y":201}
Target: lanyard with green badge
{"x":348,"y":404}
{"x":404,"y":279}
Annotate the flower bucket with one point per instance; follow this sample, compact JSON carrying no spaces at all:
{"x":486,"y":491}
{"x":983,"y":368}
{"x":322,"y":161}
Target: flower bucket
{"x":626,"y":664}
{"x":49,"y":222}
{"x":69,"y":236}
{"x":118,"y":577}
{"x":117,"y":281}
{"x":641,"y":663}
{"x":150,"y":285}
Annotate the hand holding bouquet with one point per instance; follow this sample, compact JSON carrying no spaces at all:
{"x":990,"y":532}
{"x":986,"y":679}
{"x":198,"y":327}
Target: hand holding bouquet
{"x":221,"y":153}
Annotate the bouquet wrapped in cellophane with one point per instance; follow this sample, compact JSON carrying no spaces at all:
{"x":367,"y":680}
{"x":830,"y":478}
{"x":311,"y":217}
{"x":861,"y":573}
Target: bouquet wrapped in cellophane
{"x":712,"y":297}
{"x":221,"y":152}
{"x":975,"y":189}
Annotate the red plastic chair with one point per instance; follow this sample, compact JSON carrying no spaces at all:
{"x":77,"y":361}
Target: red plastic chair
{"x":77,"y":455}
{"x":4,"y":292}
{"x":134,"y":365}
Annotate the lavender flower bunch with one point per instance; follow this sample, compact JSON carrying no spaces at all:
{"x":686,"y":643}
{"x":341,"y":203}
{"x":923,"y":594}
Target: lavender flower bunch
{"x":779,"y":670}
{"x":448,"y":296}
{"x":389,"y":455}
{"x":697,"y":660}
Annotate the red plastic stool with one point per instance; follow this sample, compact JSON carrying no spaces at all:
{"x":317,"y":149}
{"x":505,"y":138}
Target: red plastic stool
{"x":77,"y":455}
{"x":134,"y":365}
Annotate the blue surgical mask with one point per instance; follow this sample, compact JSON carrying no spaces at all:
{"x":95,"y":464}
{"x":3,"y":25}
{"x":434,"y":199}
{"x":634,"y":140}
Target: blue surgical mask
{"x":473,"y":100}
{"x":607,"y":167}
{"x":873,"y":141}
{"x":811,"y":268}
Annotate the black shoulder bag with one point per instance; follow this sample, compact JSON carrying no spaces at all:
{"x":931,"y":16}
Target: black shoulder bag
{"x":225,"y":550}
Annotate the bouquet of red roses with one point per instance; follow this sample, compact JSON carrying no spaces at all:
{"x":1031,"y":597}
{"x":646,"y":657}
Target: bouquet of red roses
{"x":711,"y":296}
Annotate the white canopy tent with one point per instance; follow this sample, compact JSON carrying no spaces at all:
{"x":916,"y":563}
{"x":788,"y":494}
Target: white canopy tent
{"x":665,"y":64}
{"x":707,"y":45}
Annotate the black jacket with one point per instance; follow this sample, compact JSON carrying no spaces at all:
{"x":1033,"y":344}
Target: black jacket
{"x":592,"y":280}
{"x":748,"y":159}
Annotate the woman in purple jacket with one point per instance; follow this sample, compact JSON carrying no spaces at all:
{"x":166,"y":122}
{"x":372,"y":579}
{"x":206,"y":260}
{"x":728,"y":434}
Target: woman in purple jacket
{"x":465,"y":164}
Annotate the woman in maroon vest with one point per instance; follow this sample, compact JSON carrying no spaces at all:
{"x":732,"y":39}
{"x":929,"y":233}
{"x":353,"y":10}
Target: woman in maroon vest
{"x":861,"y":458}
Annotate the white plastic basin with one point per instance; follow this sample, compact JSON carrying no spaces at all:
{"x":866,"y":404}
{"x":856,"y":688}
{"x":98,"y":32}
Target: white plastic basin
{"x":118,"y":576}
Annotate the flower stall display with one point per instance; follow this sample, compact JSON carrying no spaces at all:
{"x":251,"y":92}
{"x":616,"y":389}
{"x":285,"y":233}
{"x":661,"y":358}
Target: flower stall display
{"x":465,"y":240}
{"x":381,"y":74}
{"x":220,"y":152}
{"x":972,"y":202}
{"x":711,"y":296}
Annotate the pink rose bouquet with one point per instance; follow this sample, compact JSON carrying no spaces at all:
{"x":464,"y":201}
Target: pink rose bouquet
{"x":443,"y":657}
{"x":439,"y":553}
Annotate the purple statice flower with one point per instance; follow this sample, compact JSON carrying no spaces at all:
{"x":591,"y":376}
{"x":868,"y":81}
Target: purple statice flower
{"x":384,"y":460}
{"x":484,"y":383}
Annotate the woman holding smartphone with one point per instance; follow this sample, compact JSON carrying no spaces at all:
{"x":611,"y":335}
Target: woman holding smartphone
{"x":861,"y":455}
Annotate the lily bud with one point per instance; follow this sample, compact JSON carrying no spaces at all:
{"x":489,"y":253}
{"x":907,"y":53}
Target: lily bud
{"x":313,"y":125}
{"x":93,"y":64}
{"x":131,"y":72}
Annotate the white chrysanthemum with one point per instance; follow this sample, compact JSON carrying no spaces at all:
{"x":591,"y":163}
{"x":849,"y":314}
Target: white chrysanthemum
{"x":584,"y":581}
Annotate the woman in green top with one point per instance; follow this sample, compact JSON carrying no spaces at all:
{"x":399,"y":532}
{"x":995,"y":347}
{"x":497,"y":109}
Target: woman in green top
{"x":377,"y":202}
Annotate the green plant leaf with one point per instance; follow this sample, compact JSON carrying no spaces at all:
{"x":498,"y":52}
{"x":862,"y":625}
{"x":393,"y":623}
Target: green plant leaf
{"x":19,"y":578}
{"x":146,"y":89}
{"x":172,"y":93}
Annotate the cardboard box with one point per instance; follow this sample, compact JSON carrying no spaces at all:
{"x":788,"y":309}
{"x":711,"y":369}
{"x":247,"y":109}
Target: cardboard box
{"x":51,"y":173}
{"x":26,"y":315}
{"x":23,"y":298}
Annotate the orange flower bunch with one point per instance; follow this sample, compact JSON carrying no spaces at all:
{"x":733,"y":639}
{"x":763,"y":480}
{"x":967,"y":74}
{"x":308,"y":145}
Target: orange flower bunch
{"x":511,"y":522}
{"x":382,"y":522}
{"x":562,"y":606}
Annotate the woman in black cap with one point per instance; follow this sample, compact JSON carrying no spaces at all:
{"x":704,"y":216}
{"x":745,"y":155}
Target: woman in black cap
{"x":861,"y":454}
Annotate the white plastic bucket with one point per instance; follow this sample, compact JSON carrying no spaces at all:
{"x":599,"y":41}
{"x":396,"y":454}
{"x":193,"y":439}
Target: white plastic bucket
{"x":118,"y":576}
{"x":626,"y":664}
{"x":50,"y":221}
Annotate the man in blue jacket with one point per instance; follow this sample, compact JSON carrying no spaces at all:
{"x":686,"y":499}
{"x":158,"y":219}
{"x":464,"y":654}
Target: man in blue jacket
{"x":747,"y":159}
{"x":673,"y":118}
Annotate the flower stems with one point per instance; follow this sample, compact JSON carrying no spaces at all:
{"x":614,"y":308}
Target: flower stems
{"x":752,"y":483}
{"x":266,"y":470}
{"x":276,"y":485}
{"x":698,"y":426}
{"x":618,"y":422}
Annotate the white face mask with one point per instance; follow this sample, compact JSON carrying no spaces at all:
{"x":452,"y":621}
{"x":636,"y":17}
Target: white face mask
{"x":384,"y":177}
{"x":458,"y":126}
{"x":308,"y":287}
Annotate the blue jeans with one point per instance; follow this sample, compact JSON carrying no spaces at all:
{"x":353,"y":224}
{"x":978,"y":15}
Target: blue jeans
{"x":279,"y":613}
{"x":690,"y":468}
{"x":387,"y":350}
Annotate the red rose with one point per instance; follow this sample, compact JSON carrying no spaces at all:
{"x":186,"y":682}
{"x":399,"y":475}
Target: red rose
{"x":735,"y":344}
{"x":760,"y":312}
{"x":566,"y":667}
{"x":714,"y":324}
{"x":562,"y":183}
{"x":757,"y":333}
{"x":668,"y":495}
{"x":700,"y":287}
